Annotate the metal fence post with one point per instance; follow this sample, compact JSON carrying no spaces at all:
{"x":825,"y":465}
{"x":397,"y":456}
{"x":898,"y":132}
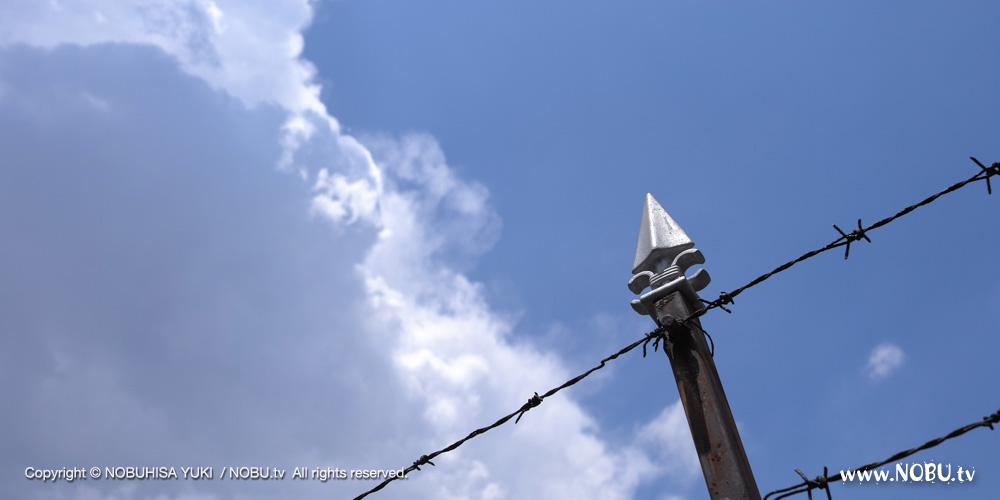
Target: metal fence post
{"x":663,"y":255}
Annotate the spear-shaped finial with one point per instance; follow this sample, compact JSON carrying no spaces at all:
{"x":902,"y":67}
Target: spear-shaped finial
{"x":660,"y":238}
{"x":662,"y":256}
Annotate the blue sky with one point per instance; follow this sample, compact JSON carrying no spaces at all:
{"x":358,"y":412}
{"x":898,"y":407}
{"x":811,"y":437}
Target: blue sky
{"x":344,"y":234}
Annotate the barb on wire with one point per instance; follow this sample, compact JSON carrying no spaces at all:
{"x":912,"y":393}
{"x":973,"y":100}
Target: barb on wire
{"x":725,"y":298}
{"x":855,"y":235}
{"x":822,"y":481}
{"x":845,"y":239}
{"x":533,"y":402}
{"x":421,"y":461}
{"x":655,"y":335}
{"x":993,"y":169}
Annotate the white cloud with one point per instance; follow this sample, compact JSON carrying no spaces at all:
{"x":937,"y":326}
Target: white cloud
{"x":884,"y":360}
{"x":166,"y":295}
{"x":449,"y":352}
{"x":453,"y":352}
{"x":341,"y":200}
{"x":249,"y":49}
{"x":670,"y":439}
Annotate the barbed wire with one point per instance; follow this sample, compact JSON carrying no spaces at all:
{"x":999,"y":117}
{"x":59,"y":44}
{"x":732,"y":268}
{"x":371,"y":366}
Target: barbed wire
{"x":860,"y":233}
{"x":654,"y":336}
{"x":725,"y":298}
{"x":823,"y":482}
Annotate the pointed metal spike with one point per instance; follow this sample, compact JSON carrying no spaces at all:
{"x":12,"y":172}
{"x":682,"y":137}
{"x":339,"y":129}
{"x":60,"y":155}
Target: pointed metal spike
{"x":660,"y":239}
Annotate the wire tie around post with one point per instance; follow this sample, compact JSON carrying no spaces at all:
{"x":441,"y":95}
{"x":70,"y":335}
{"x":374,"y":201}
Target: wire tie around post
{"x":654,"y":336}
{"x":710,"y":341}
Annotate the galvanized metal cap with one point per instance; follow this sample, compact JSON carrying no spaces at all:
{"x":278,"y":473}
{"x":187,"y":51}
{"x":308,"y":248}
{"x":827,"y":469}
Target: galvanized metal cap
{"x":661,"y":239}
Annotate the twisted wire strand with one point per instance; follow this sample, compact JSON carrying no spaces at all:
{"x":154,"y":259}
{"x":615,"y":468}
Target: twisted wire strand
{"x":822,"y":482}
{"x":653,"y":336}
{"x":845,"y":239}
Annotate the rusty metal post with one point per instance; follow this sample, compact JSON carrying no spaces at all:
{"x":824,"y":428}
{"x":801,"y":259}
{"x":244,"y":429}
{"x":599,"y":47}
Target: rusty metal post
{"x":720,"y":450}
{"x":663,"y":255}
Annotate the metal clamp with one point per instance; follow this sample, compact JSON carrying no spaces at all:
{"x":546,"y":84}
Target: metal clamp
{"x":662,"y":258}
{"x":671,"y":280}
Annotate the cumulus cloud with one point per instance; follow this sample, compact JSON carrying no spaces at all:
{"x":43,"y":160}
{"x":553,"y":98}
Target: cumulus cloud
{"x":670,"y":441}
{"x":188,"y":269}
{"x":248,"y":49}
{"x":454,"y":354}
{"x":885,"y":360}
{"x":166,"y":297}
